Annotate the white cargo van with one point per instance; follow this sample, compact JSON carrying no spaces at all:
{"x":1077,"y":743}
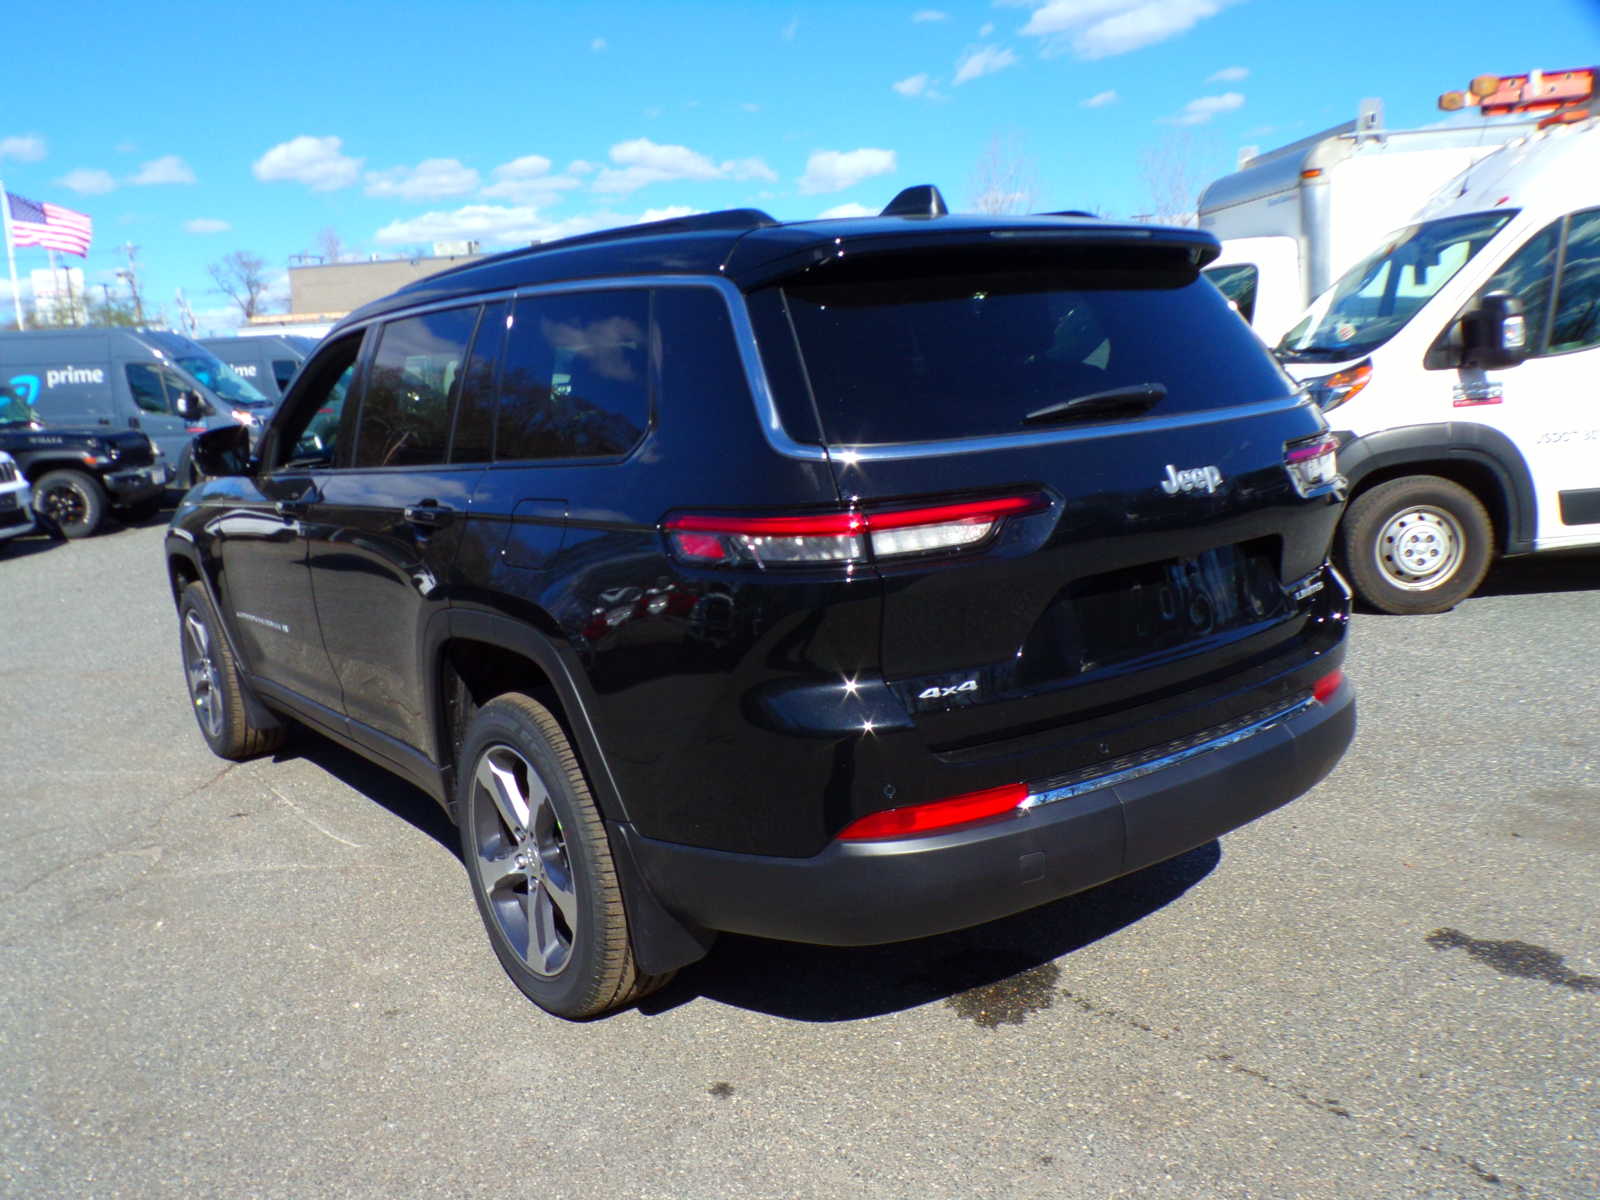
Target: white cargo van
{"x":1293,"y":220}
{"x":1459,"y":365}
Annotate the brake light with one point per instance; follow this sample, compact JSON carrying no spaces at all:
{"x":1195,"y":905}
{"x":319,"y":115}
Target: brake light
{"x":843,"y":537}
{"x":1326,"y":686}
{"x":938,"y":815}
{"x":1313,"y":465}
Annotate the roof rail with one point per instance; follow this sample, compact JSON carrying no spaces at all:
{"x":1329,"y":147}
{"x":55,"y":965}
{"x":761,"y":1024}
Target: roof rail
{"x":1071,"y":212}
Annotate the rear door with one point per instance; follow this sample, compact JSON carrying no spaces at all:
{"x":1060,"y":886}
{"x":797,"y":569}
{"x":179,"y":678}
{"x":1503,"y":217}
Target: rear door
{"x":1154,"y":527}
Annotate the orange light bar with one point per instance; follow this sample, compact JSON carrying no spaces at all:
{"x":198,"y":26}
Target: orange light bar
{"x":1538,"y":91}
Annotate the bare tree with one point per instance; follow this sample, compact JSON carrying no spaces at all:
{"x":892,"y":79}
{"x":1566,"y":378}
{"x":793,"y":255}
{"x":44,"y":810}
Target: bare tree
{"x":330,"y":248}
{"x":1172,"y":179}
{"x":1006,"y":179}
{"x":242,"y":277}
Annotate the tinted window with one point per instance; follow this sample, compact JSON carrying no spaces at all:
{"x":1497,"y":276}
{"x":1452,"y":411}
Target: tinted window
{"x":310,"y":436}
{"x":1577,"y":319}
{"x":1237,"y":283}
{"x":475,"y":411}
{"x":575,"y":380}
{"x":405,"y":417}
{"x":144,"y":382}
{"x":1527,"y":275}
{"x":930,"y":355}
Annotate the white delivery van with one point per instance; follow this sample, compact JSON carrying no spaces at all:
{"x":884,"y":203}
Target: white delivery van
{"x":1293,"y":220}
{"x":1459,"y":366}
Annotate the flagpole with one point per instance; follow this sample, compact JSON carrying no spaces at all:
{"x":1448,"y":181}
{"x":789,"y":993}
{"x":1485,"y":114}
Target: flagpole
{"x":11,"y":254}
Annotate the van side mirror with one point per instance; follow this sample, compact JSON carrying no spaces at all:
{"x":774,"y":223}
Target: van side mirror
{"x":190,"y":406}
{"x":1495,"y":334}
{"x":224,"y":451}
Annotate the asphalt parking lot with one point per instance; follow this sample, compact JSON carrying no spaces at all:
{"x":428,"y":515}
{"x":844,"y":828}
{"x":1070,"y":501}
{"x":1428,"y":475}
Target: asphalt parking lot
{"x":269,"y":979}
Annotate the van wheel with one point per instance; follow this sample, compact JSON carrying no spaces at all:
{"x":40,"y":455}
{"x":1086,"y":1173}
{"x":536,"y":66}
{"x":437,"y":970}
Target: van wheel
{"x":540,"y":864}
{"x":1419,"y":544}
{"x":215,"y":691}
{"x":74,"y":503}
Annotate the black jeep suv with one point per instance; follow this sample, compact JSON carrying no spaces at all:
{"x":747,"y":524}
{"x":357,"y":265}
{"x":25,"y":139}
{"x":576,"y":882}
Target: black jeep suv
{"x":841,"y":581}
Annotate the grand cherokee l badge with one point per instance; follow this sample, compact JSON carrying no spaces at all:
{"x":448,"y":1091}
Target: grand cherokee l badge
{"x":1195,"y":479}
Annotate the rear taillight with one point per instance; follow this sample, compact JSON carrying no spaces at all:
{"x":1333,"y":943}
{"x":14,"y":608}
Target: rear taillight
{"x":1326,"y":686}
{"x":848,"y":537}
{"x":1313,"y":465}
{"x":938,"y":815}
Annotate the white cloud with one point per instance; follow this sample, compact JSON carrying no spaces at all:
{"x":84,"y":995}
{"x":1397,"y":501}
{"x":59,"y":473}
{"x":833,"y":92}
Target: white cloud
{"x":22,"y":147}
{"x":641,"y":162}
{"x":914,"y":85}
{"x":1103,"y":28}
{"x":169,"y":168}
{"x":513,"y":225}
{"x":430,"y":179}
{"x":792,"y":28}
{"x":847,"y":210}
{"x":527,"y":180}
{"x":598,"y":45}
{"x":317,"y":162}
{"x":985,"y":60}
{"x":1099,"y":100}
{"x":986,"y":29}
{"x":88,"y":181}
{"x":836,"y":170}
{"x":929,"y":14}
{"x":1229,"y":75}
{"x":750,"y":108}
{"x":1198,"y":112}
{"x":206,"y":225}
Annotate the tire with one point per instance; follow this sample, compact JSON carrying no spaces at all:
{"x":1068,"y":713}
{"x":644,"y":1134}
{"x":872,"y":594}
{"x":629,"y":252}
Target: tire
{"x":540,"y":864}
{"x":1418,"y":544}
{"x":70,"y":501}
{"x":215,"y":692}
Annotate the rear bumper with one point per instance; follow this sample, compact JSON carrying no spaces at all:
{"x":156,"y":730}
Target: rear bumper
{"x":867,"y":893}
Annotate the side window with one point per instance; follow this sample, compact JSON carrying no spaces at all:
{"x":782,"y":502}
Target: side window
{"x":1577,"y":318}
{"x":405,"y":415}
{"x":575,"y":381}
{"x":475,"y":410}
{"x":144,"y":381}
{"x":283,"y":370}
{"x":1527,"y":274}
{"x":1238,"y":283}
{"x":309,"y":435}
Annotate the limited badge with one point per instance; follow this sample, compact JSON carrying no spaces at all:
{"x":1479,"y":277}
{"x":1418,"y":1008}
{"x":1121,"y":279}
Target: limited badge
{"x":1345,"y":332}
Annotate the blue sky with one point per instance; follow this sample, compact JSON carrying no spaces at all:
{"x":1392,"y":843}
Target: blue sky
{"x":192,"y":130}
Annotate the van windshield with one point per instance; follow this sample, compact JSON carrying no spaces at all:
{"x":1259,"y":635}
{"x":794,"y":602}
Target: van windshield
{"x":1376,"y":297}
{"x":223,"y":380}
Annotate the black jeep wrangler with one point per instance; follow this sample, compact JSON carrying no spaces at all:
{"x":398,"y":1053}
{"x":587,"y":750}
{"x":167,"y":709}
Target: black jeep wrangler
{"x":79,"y":475}
{"x":842,"y":581}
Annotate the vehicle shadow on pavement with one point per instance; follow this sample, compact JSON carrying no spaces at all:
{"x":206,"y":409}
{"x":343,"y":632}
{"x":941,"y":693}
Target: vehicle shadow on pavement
{"x":388,"y":791}
{"x":818,"y":983}
{"x":1562,"y":571}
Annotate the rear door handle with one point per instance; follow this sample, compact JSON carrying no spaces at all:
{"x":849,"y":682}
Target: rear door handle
{"x":430,"y":514}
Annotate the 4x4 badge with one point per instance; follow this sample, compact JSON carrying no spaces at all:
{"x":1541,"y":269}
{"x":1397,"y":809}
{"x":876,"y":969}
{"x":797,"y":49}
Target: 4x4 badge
{"x":1195,"y":479}
{"x":940,"y":693}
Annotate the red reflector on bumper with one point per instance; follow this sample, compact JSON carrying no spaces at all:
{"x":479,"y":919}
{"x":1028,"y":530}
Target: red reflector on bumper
{"x":1326,"y":686}
{"x":936,"y":816}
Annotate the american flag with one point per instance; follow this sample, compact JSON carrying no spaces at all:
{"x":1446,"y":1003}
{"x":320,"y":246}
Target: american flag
{"x":49,"y":225}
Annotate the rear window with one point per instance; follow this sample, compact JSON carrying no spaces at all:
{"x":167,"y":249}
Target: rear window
{"x":927,"y":353}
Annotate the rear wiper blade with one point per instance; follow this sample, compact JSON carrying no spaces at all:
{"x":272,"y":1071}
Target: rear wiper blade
{"x":1134,"y":399}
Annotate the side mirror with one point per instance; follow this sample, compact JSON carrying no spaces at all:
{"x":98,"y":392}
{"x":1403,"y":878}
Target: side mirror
{"x":190,"y":406}
{"x":224,"y":451}
{"x":1495,"y":334}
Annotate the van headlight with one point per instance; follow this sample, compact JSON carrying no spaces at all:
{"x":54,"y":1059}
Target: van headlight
{"x":1330,"y":391}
